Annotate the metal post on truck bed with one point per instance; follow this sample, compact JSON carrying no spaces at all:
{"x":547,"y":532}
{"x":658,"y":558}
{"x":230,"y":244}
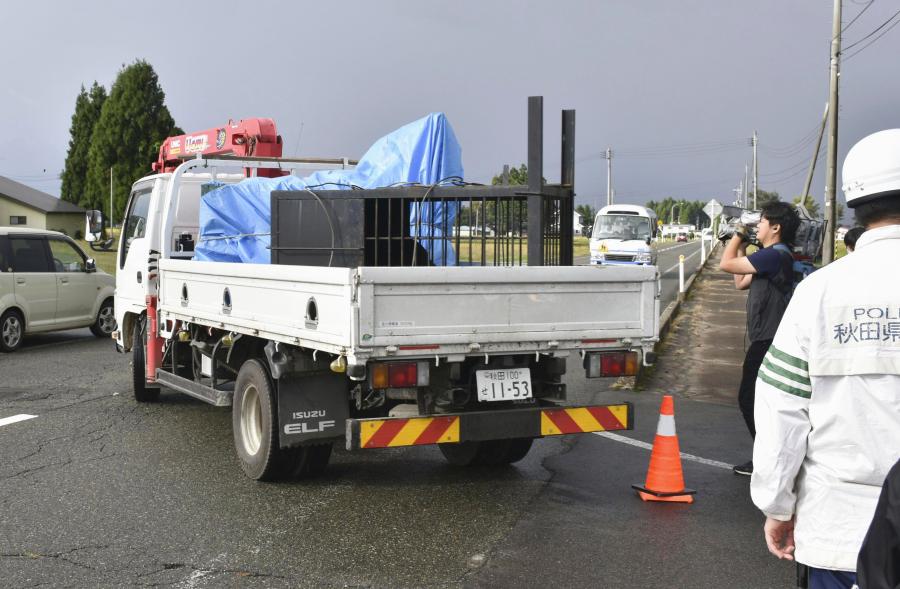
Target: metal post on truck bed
{"x":535,"y":180}
{"x":567,"y":179}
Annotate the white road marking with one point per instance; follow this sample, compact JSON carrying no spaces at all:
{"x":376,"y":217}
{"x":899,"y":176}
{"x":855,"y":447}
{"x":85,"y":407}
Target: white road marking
{"x":686,"y":258}
{"x":672,"y":247}
{"x":646,"y":446}
{"x":16,"y":419}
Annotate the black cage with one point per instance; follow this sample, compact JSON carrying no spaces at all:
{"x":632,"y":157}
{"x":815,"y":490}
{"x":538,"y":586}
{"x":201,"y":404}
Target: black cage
{"x":438,"y":225}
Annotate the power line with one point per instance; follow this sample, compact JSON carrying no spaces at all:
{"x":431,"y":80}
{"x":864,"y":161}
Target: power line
{"x":878,"y":28}
{"x":861,"y":49}
{"x":807,"y":138}
{"x":865,"y":8}
{"x":799,"y":169}
{"x":802,"y":163}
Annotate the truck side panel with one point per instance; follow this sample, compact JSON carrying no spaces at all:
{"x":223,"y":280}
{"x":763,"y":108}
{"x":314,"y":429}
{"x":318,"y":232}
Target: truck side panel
{"x":460,"y":305}
{"x":295,"y":302}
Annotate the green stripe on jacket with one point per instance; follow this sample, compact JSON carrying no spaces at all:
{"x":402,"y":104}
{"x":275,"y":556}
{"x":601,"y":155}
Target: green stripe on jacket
{"x":782,"y":386}
{"x":788,"y":359}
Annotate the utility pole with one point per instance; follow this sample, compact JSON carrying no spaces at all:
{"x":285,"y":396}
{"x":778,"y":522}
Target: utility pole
{"x":746,"y":186}
{"x":609,"y":189}
{"x":831,"y":172}
{"x":804,"y":196}
{"x":110,"y":202}
{"x":672,"y":213}
{"x":755,"y":169}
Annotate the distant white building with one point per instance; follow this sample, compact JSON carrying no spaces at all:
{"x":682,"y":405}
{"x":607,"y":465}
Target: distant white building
{"x":675,"y":229}
{"x":577,"y":219}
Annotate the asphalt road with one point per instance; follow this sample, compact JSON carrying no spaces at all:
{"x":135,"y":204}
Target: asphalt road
{"x":99,"y":491}
{"x":667,"y":262}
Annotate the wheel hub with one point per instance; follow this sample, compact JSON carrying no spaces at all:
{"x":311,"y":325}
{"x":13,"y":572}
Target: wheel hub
{"x":12,"y":331}
{"x":251,"y":420}
{"x":107,"y":320}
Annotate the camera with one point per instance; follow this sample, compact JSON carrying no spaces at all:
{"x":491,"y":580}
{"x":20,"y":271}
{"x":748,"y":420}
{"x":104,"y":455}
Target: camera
{"x":807,"y":244}
{"x":732,"y":217}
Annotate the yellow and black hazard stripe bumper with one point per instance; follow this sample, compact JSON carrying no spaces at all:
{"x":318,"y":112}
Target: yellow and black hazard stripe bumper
{"x":533,"y":422}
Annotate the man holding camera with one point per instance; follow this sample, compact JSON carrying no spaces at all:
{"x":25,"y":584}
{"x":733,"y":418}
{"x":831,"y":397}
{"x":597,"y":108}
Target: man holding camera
{"x":828,"y":394}
{"x":769,"y":275}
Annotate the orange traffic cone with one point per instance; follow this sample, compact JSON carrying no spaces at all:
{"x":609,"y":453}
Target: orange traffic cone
{"x":665,"y":480}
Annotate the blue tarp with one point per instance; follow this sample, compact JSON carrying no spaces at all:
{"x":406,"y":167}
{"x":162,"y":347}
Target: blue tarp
{"x":235,"y":219}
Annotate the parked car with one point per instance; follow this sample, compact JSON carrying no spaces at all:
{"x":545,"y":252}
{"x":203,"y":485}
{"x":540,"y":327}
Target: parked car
{"x":466,"y":231}
{"x":48,"y":283}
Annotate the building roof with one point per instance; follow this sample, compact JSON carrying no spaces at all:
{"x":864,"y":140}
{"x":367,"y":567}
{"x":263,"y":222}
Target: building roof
{"x":25,"y":195}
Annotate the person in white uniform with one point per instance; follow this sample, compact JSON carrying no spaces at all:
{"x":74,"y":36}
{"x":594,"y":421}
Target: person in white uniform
{"x":827,"y":407}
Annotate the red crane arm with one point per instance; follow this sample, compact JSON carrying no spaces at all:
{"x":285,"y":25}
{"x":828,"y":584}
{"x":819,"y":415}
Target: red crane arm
{"x":249,"y":137}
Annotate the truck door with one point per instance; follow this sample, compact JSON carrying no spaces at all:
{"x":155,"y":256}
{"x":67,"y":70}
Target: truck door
{"x":134,"y":251}
{"x":77,"y":290}
{"x":35,"y":281}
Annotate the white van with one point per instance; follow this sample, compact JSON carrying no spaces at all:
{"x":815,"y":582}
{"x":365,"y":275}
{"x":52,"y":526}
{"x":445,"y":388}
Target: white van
{"x":624,"y":234}
{"x":47,"y":283}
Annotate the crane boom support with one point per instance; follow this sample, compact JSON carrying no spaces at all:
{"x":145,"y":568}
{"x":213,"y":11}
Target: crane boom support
{"x":249,"y":137}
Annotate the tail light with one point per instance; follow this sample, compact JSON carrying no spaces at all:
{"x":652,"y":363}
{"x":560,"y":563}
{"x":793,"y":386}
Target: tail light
{"x":400,"y":375}
{"x":611,"y":364}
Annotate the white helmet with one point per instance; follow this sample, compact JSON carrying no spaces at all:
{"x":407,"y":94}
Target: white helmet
{"x":872,"y":168}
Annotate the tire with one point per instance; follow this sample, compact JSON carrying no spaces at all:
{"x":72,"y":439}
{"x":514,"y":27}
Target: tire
{"x":12,"y":331}
{"x":486,"y":453}
{"x":317,"y":458}
{"x":142,"y":392}
{"x":461,"y":454}
{"x":254,"y":420}
{"x":105,"y":323}
{"x":518,"y":449}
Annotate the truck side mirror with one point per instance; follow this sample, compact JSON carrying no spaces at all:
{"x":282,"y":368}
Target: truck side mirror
{"x":90,"y":265}
{"x":93,"y":226}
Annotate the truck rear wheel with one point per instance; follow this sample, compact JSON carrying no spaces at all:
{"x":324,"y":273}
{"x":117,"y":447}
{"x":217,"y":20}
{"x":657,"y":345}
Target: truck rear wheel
{"x":142,"y":392}
{"x":255,"y":427}
{"x":486,"y":453}
{"x":518,"y":449}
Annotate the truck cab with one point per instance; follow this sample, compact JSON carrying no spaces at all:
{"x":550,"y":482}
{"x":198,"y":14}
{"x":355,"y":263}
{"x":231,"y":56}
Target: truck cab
{"x":141,"y":239}
{"x":624,"y":234}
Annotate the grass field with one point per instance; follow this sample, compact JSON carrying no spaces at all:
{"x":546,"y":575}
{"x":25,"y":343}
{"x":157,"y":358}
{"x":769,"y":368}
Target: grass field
{"x":106,"y":260}
{"x":511,"y":250}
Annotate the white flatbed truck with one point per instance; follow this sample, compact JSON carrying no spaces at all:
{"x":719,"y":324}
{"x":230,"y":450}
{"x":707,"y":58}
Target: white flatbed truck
{"x":466,"y":357}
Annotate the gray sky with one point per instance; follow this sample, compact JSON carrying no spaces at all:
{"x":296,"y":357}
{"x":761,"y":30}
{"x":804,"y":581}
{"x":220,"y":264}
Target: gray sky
{"x":641,"y":75}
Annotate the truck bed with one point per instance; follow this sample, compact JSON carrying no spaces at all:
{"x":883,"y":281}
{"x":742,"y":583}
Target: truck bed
{"x":372,"y":312}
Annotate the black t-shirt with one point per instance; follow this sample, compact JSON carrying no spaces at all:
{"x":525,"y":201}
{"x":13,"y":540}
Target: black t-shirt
{"x":770,"y":291}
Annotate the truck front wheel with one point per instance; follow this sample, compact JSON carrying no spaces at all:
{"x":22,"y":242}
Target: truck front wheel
{"x":142,"y":392}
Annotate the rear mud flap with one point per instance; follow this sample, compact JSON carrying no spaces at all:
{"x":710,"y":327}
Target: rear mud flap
{"x":311,"y":407}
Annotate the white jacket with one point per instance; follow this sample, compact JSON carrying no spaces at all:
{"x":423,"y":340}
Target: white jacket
{"x":828,"y":403}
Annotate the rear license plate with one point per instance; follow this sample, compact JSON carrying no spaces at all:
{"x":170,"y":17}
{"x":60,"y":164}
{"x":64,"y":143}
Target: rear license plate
{"x":506,"y":384}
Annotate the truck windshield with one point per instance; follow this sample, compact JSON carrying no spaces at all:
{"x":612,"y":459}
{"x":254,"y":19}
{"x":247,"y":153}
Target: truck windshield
{"x":621,"y":227}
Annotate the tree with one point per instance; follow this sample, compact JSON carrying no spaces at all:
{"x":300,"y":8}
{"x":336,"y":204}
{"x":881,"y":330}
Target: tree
{"x":685,"y":211}
{"x":763,"y":198}
{"x":516,"y":176}
{"x":504,"y":217}
{"x":87,"y":111}
{"x":812,"y":207}
{"x":133,"y":123}
{"x":587,"y":213}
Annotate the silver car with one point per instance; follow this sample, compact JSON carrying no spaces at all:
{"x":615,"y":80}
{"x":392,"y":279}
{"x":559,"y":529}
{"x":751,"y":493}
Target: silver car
{"x":48,"y":283}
